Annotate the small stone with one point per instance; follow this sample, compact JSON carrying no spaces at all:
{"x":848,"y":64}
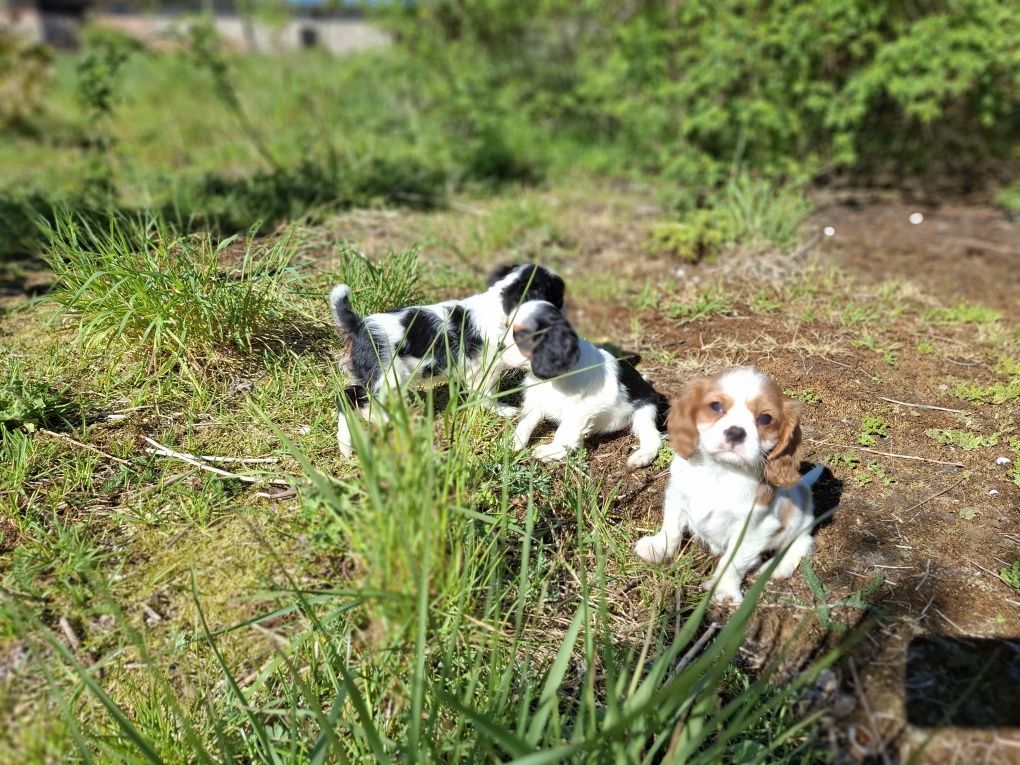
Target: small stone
{"x":829,"y":231}
{"x":827,"y":682}
{"x":304,"y":430}
{"x":843,"y":705}
{"x":1002,"y":460}
{"x":680,"y":274}
{"x":916,"y":218}
{"x":943,"y":386}
{"x":993,"y":492}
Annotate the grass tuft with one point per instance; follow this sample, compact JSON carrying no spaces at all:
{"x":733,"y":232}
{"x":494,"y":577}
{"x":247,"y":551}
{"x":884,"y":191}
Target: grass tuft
{"x":388,"y":282}
{"x":135,"y":285}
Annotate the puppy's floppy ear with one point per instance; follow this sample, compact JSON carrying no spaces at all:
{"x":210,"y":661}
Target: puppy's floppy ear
{"x":782,"y":463}
{"x":532,"y":282}
{"x":499,"y":273}
{"x":682,"y":421}
{"x":552,"y":345}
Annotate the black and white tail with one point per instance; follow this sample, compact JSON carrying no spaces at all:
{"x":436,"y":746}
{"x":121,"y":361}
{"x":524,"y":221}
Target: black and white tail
{"x":343,"y":314}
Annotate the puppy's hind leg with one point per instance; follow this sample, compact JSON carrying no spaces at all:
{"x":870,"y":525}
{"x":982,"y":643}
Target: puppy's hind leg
{"x":649,"y":438}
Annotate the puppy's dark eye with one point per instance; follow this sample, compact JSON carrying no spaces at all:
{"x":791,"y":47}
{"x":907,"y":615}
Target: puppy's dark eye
{"x":715,"y":406}
{"x":764,"y":419}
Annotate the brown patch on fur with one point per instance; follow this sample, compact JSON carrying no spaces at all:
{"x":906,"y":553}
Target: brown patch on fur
{"x":687,"y":410}
{"x":782,"y":463}
{"x":766,"y":492}
{"x":787,"y":511}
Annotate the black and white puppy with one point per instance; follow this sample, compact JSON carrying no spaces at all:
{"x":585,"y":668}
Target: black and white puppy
{"x":583,"y":388}
{"x":462,"y":336}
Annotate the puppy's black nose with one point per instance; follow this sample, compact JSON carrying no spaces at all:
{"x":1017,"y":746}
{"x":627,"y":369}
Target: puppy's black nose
{"x":735,"y":434}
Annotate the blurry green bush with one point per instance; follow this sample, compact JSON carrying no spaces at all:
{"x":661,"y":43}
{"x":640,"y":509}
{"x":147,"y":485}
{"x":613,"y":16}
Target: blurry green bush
{"x":26,"y":71}
{"x":787,"y":88}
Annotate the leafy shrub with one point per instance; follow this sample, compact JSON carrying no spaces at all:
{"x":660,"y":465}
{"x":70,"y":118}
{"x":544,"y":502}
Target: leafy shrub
{"x":265,"y":198}
{"x":784,"y":88}
{"x":26,"y":72}
{"x":1008,"y":198}
{"x":139,"y":285}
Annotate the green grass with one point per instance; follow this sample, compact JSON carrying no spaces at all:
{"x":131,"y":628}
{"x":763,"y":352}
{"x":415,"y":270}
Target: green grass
{"x":169,"y":614}
{"x":138,"y":286}
{"x":967,"y":313}
{"x":807,"y":395}
{"x":417,"y":651}
{"x":872,"y":344}
{"x":708,"y":302}
{"x":1008,"y":198}
{"x":763,"y":213}
{"x":744,"y":212}
{"x":380,"y":285}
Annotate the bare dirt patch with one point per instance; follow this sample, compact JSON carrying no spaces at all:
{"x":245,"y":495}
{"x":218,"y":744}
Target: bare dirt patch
{"x":936,"y":522}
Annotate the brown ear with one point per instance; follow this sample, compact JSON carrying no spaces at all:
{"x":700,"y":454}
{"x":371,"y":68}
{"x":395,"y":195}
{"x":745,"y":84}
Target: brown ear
{"x":782,"y":463}
{"x":682,"y":422}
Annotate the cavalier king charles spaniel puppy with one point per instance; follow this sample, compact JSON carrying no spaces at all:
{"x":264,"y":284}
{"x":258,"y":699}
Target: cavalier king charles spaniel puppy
{"x":734,"y":481}
{"x":583,"y":388}
{"x":464,"y":336}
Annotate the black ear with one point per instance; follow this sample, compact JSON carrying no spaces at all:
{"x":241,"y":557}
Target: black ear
{"x":533,"y":282}
{"x":556,"y":348}
{"x":500,"y":273}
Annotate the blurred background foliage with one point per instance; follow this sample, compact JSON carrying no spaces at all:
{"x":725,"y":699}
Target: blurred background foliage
{"x":689,"y":89}
{"x":475,"y":93}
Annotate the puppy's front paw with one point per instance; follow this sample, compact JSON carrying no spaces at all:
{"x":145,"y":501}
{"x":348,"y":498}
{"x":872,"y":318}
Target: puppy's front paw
{"x":506,"y":410}
{"x":550,"y":452}
{"x":652,"y":548}
{"x":725,"y":594}
{"x":641,"y":459}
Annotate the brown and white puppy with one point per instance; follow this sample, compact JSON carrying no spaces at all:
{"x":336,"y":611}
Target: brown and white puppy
{"x":734,"y":480}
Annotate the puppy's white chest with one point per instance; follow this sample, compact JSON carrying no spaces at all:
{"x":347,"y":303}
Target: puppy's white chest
{"x":718,"y":501}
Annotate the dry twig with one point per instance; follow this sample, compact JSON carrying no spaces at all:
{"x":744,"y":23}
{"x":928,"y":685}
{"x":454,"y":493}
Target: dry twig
{"x":162,"y":451}
{"x":889,"y":454}
{"x":87,"y":447}
{"x":923,"y":406}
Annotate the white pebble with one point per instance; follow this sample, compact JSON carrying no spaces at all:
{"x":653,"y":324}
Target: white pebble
{"x":993,"y":492}
{"x":304,"y":430}
{"x":1002,"y":460}
{"x":829,"y":231}
{"x":916,"y":218}
{"x":680,"y":273}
